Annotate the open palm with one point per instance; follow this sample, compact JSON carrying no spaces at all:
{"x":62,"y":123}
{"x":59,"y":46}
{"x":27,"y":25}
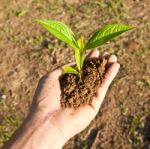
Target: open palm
{"x":70,"y":121}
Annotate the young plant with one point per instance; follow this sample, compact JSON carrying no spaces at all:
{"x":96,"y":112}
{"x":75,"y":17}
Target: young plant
{"x":64,"y":33}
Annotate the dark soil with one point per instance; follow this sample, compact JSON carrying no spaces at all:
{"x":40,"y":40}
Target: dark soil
{"x":76,"y":91}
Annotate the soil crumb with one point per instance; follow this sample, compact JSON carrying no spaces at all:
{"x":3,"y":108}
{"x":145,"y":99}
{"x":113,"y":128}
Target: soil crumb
{"x":76,"y":91}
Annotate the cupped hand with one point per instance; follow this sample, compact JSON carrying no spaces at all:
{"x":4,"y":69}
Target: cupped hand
{"x":69,"y":121}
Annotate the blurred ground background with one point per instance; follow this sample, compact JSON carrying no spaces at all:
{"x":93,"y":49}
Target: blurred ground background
{"x":27,"y":52}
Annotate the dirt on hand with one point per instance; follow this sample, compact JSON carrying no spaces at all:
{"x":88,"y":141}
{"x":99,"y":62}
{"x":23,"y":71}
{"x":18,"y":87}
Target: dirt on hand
{"x":78,"y":91}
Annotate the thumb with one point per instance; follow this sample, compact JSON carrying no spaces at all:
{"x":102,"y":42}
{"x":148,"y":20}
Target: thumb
{"x":108,"y":78}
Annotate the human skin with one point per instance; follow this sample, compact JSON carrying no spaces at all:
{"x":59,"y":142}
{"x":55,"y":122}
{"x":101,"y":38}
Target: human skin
{"x":47,"y":124}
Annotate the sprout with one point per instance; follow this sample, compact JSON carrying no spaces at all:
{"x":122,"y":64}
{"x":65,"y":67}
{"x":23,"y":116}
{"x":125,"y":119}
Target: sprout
{"x":99,"y":37}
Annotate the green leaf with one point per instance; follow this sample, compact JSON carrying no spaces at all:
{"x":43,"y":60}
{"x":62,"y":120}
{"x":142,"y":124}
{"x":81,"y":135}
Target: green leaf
{"x":69,"y":69}
{"x":60,"y":30}
{"x":82,"y":60}
{"x":81,"y":43}
{"x":78,"y":58}
{"x":105,"y":34}
{"x":79,"y":53}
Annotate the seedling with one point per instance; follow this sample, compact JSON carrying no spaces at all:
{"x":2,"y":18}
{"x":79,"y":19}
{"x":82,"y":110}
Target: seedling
{"x":64,"y":33}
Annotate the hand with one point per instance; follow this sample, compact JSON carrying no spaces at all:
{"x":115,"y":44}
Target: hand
{"x":70,"y":121}
{"x":51,"y":125}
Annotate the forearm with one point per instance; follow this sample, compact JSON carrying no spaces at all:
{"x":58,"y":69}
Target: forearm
{"x":36,"y":132}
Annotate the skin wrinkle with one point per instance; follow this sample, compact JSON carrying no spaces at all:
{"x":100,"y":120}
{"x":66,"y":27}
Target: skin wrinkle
{"x":48,"y":117}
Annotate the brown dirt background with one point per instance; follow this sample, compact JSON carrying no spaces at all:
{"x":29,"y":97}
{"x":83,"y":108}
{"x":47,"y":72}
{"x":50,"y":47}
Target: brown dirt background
{"x":27,"y":52}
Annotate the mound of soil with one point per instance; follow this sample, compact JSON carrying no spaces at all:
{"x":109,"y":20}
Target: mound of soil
{"x":76,"y":91}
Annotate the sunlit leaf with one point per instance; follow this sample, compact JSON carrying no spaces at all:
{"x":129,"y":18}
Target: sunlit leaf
{"x":60,"y":30}
{"x":78,"y":58}
{"x":81,"y":43}
{"x":69,"y":69}
{"x":105,"y":34}
{"x":79,"y":53}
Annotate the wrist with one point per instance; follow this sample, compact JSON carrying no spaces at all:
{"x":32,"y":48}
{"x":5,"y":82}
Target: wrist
{"x":38,"y":132}
{"x":45,"y":134}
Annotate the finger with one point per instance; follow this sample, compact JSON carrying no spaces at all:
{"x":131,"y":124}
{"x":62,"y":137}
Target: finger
{"x":110,"y":75}
{"x":112,"y":59}
{"x":69,"y":64}
{"x":93,"y":54}
{"x":56,"y":73}
{"x":105,"y":55}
